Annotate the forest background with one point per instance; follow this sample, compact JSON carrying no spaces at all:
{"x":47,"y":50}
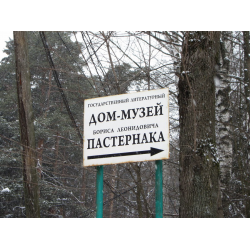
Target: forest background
{"x":207,"y":73}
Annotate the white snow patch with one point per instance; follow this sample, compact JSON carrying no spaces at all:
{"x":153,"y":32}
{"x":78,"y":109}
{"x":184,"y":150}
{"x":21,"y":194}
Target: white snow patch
{"x":216,"y":81}
{"x":33,"y":85}
{"x":194,"y":102}
{"x":5,"y":190}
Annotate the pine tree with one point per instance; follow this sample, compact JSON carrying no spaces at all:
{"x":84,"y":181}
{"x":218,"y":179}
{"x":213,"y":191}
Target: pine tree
{"x":55,"y":137}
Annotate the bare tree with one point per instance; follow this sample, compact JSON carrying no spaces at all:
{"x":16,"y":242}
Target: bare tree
{"x":246,"y":49}
{"x":223,"y":126}
{"x":199,"y":166}
{"x":26,"y":120}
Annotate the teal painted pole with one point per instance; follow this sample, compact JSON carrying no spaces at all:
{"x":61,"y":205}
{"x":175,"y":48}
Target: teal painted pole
{"x":99,"y":192}
{"x":158,"y":190}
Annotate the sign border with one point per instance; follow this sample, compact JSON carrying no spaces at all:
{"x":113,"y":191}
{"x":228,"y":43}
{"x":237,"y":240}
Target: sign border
{"x":125,"y":95}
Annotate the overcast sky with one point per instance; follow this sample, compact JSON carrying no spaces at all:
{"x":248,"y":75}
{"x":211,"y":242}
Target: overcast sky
{"x":4,"y":36}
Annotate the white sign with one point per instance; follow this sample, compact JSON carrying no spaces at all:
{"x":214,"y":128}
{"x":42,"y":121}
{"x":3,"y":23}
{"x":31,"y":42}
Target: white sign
{"x":126,"y":128}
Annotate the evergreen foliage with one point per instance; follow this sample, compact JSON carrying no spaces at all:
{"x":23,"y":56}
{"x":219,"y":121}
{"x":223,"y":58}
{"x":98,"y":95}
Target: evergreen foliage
{"x":52,"y":125}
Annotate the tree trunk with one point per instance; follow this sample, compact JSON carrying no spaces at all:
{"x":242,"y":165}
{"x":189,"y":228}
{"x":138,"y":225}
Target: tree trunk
{"x":247,"y":96}
{"x":223,"y":118}
{"x":247,"y":71}
{"x":199,"y":167}
{"x":40,"y":157}
{"x":57,"y":141}
{"x":222,"y":82}
{"x":26,"y":117}
{"x":113,"y":185}
{"x":140,"y":193}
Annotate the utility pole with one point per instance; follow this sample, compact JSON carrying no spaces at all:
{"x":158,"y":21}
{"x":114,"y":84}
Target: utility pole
{"x":27,"y":132}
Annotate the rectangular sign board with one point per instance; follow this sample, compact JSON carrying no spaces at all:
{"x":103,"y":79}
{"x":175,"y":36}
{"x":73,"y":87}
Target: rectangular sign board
{"x":126,"y":128}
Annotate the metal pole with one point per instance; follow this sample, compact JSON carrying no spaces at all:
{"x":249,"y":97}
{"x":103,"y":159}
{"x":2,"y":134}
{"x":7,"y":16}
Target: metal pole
{"x":158,"y":190}
{"x":99,"y":192}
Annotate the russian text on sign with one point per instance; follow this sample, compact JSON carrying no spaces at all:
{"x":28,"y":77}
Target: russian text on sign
{"x":126,"y":128}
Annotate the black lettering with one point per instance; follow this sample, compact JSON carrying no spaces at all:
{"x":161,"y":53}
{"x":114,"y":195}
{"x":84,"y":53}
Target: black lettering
{"x":103,"y":117}
{"x":114,"y":137}
{"x":136,"y":139}
{"x":126,"y":116}
{"x":98,"y":143}
{"x":128,"y":138}
{"x":158,"y":109}
{"x":104,"y":142}
{"x":150,"y":111}
{"x":144,"y":138}
{"x":143,"y":112}
{"x":90,"y":145}
{"x":121,"y":143}
{"x":94,"y":121}
{"x":152,"y":138}
{"x":161,"y":137}
{"x":111,"y":117}
{"x":135,"y":112}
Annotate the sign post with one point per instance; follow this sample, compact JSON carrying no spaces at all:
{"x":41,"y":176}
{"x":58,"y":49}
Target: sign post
{"x":99,"y":192}
{"x":158,"y":190}
{"x":126,"y":128}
